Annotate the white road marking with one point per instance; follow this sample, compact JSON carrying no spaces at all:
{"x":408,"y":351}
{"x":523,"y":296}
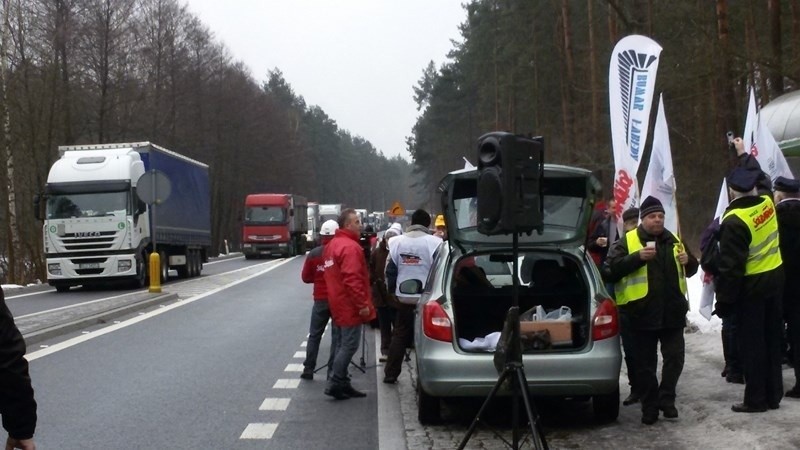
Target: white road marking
{"x":299,"y":355}
{"x":293,"y":368}
{"x":274,"y":404}
{"x":259,"y":431}
{"x":303,"y":344}
{"x":286,"y":383}
{"x":86,"y":337}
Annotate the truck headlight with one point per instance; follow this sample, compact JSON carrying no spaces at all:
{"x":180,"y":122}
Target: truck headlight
{"x":54,"y":269}
{"x":282,"y":244}
{"x":124,"y":265}
{"x":247,"y":246}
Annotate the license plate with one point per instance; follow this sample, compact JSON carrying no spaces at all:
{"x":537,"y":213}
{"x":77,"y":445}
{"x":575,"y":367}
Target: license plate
{"x":89,"y":266}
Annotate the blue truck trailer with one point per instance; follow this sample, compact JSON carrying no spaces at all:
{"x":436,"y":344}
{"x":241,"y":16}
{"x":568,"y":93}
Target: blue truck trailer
{"x":97,"y":230}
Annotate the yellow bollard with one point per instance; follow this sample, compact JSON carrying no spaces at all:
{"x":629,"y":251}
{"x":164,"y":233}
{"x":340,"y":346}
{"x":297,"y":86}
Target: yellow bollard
{"x":155,"y":273}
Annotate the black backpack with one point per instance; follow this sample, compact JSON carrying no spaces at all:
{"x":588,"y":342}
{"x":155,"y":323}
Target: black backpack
{"x":709,"y":256}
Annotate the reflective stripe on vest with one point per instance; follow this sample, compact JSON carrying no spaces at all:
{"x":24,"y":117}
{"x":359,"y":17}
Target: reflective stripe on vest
{"x":634,"y":286}
{"x":764,"y":253}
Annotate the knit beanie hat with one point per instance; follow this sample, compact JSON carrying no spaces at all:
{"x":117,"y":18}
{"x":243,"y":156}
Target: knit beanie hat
{"x":630,"y":214}
{"x":649,"y":206}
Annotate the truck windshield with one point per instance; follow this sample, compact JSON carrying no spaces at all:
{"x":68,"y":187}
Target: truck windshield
{"x":265,"y":215}
{"x":94,"y":204}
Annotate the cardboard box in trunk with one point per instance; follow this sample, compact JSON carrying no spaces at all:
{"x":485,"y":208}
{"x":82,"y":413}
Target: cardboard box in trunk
{"x":560,"y":330}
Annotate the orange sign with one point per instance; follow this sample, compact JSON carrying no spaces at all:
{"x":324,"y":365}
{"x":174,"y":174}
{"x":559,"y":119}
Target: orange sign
{"x":397,"y":210}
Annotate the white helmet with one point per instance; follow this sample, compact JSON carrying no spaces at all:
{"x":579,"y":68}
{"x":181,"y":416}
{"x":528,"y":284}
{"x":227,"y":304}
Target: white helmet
{"x":328,"y":228}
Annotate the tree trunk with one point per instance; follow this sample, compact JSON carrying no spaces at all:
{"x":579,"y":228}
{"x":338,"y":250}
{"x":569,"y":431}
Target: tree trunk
{"x":726,"y":118}
{"x":595,"y":88}
{"x":14,"y":245}
{"x":776,"y":78}
{"x":62,"y":29}
{"x":566,"y":84}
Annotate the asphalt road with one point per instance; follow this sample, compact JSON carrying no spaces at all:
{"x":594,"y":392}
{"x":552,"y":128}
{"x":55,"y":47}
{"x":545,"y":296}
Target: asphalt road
{"x":195,"y":374}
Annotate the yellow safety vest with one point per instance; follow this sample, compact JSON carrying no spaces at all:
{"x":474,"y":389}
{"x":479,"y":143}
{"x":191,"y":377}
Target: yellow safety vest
{"x":764,"y":253}
{"x":634,"y":286}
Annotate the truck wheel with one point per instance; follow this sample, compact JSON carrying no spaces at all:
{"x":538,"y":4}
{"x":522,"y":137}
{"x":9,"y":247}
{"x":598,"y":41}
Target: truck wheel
{"x":606,"y":407}
{"x":141,"y":273}
{"x":185,"y":271}
{"x":62,"y":287}
{"x":292,"y":247}
{"x":246,"y":256}
{"x":164,"y":267}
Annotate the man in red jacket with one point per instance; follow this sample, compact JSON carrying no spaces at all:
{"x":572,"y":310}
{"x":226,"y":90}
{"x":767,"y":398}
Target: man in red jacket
{"x":314,"y":272}
{"x":349,"y":298}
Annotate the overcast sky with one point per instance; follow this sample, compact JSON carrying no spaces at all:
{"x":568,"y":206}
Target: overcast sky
{"x":357,"y":59}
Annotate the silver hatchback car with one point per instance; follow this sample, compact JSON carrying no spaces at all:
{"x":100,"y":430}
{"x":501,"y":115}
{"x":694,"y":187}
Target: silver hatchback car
{"x":468,"y":292}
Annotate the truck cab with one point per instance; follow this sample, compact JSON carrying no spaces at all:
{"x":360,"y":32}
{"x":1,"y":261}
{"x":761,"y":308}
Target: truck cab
{"x":274,"y":224}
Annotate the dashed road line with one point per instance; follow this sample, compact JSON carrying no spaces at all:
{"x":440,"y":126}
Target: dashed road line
{"x":300,"y":354}
{"x":274,"y":404}
{"x":286,"y":383}
{"x":259,"y":431}
{"x":293,"y":368}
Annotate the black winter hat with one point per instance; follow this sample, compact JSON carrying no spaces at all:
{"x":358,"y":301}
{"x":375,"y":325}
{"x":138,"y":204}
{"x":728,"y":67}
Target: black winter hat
{"x":649,"y":206}
{"x":742,"y":180}
{"x":784,"y":184}
{"x":630,"y":214}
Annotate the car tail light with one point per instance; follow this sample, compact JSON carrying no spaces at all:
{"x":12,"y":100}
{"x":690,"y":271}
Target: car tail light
{"x":605,"y":323}
{"x":435,"y":323}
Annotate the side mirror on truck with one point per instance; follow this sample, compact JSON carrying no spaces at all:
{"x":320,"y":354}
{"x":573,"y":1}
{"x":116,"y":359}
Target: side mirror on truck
{"x":37,"y":206}
{"x":141,"y":207}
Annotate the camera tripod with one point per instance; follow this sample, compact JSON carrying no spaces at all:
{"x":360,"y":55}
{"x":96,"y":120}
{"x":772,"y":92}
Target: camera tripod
{"x":362,"y":366}
{"x":509,"y":357}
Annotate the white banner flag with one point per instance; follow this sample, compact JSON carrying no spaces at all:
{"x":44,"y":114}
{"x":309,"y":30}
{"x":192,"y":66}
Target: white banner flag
{"x":632,"y":80}
{"x":660,"y":179}
{"x":759,"y":142}
{"x":707,"y":292}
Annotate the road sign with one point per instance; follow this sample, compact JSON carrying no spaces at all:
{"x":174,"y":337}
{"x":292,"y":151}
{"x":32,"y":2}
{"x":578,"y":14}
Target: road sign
{"x":397,"y":210}
{"x":153,"y":187}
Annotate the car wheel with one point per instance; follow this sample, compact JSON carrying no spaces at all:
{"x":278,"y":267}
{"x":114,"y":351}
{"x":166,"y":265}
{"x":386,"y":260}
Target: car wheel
{"x":428,"y":406}
{"x":606,"y":407}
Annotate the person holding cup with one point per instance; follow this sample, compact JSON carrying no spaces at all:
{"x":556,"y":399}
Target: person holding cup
{"x":649,"y":266}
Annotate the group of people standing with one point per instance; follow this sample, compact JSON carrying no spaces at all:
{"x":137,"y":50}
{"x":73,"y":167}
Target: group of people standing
{"x":353,"y":290}
{"x":753,"y":252}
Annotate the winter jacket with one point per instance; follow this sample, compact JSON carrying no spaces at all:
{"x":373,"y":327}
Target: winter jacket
{"x":17,"y":405}
{"x":412,"y":255}
{"x":377,"y":277}
{"x":314,"y":272}
{"x":664,"y":306}
{"x":347,"y":280}
{"x":734,"y":243}
{"x":788,"y":211}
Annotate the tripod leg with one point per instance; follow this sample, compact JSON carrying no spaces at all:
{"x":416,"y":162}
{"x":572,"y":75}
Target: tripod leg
{"x":537,"y":434}
{"x":477,"y":418}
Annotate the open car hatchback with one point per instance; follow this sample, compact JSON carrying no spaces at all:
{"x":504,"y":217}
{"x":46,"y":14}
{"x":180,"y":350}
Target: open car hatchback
{"x":574,"y":351}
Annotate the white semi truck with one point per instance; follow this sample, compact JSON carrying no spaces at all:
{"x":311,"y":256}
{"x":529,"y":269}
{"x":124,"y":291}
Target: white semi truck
{"x":97,"y":230}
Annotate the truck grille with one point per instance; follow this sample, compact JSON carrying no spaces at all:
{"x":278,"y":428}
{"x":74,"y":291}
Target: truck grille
{"x":100,"y":240}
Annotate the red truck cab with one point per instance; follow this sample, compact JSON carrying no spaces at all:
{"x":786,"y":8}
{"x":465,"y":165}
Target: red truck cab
{"x":274,"y":224}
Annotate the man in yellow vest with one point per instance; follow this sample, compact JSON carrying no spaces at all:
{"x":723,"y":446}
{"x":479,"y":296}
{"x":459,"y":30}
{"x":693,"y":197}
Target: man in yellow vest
{"x":750,"y":283}
{"x":649,"y":266}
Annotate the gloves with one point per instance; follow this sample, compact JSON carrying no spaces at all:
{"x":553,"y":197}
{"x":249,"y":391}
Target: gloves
{"x":723,"y":309}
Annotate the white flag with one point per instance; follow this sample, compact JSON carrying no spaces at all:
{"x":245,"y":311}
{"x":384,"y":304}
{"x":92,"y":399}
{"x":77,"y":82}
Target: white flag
{"x":632,"y":79}
{"x":759,"y":142}
{"x":660,"y":179}
{"x":707,"y":292}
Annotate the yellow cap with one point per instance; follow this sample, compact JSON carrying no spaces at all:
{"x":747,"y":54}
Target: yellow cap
{"x":439,"y":221}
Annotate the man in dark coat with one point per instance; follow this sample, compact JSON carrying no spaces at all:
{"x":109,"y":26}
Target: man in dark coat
{"x":17,"y":406}
{"x":650,"y":265}
{"x":787,"y":207}
{"x":750,"y":283}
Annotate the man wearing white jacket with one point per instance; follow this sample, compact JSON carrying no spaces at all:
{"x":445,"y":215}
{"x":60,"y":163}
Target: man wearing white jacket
{"x":410,"y":257}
